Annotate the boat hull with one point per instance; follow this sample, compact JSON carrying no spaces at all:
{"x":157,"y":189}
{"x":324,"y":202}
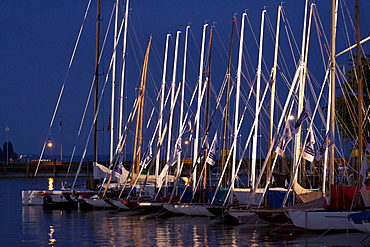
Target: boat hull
{"x":194,"y":209}
{"x":243,"y":215}
{"x":98,"y":203}
{"x":321,"y":219}
{"x":275,"y":216}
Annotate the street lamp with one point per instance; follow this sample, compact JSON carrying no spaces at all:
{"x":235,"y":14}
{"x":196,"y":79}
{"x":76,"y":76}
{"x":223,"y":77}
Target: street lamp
{"x":7,"y":144}
{"x":50,"y":145}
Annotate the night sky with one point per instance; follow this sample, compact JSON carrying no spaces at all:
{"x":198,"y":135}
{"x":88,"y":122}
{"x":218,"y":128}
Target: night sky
{"x":38,"y":37}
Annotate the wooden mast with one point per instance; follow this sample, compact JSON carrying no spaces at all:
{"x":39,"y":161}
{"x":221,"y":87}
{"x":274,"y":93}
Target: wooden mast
{"x":96,"y":89}
{"x":273,"y":90}
{"x":139,"y":120}
{"x":208,"y":80}
{"x":359,"y":89}
{"x":227,"y":107}
{"x":332,"y":87}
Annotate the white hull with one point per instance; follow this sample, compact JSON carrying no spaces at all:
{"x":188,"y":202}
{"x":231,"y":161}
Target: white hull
{"x":321,"y":219}
{"x":243,"y":195}
{"x":193,"y":210}
{"x":244,"y":216}
{"x":150,"y":204}
{"x":118,"y":203}
{"x":35,"y":197}
{"x":97,"y":202}
{"x":360,"y":227}
{"x":171,"y":208}
{"x":366,"y":225}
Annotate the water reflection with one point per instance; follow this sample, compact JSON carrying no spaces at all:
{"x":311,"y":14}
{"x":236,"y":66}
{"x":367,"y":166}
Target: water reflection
{"x":105,"y":228}
{"x":51,"y":236}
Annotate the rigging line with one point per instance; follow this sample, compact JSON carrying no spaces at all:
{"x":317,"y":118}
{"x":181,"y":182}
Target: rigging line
{"x":95,"y":119}
{"x":197,"y":49}
{"x":292,"y":42}
{"x":283,"y":65}
{"x":316,"y":100}
{"x":64,"y":82}
{"x":247,"y":141}
{"x":345,"y":31}
{"x":222,"y":45}
{"x":84,"y":115}
{"x":320,"y":33}
{"x":289,"y":100}
{"x":151,"y":76}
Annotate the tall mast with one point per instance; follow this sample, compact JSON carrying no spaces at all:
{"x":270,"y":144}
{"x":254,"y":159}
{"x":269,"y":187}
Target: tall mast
{"x":115,"y":42}
{"x":227,"y":104}
{"x":297,"y":143}
{"x":183,"y":80}
{"x":138,"y":139}
{"x":258,"y":86}
{"x":200,"y":81}
{"x":273,"y":90}
{"x":173,"y":86}
{"x":161,"y":110}
{"x":359,"y":86}
{"x":208,"y":82}
{"x":96,"y":83}
{"x":122,"y":86}
{"x":332,"y":86}
{"x":237,"y":96}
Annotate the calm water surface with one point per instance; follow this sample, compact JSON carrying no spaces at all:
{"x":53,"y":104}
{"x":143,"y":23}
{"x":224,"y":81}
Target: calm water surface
{"x":32,"y":226}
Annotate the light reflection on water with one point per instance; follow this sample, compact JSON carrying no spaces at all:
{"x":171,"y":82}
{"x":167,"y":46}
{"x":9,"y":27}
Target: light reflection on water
{"x":32,"y":226}
{"x":104,"y":228}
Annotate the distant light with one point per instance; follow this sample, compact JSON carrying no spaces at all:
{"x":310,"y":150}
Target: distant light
{"x":186,"y":180}
{"x":50,"y":184}
{"x":290,"y":117}
{"x":186,"y":142}
{"x":50,"y":144}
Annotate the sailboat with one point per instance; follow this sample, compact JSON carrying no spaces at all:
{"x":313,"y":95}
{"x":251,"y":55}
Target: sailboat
{"x":68,"y":196}
{"x":343,"y":199}
{"x":90,"y":195}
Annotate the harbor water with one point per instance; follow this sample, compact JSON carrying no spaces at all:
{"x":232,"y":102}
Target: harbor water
{"x":33,"y":226}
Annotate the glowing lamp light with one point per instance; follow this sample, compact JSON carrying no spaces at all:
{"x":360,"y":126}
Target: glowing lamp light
{"x":290,"y":117}
{"x":50,"y":144}
{"x":186,"y":142}
{"x":50,"y":184}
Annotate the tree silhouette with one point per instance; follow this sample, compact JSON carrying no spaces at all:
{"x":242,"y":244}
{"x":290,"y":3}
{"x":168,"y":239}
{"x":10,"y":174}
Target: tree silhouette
{"x":8,"y":152}
{"x":347,"y":103}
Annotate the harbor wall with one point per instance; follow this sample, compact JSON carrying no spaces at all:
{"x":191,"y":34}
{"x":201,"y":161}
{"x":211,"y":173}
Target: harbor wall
{"x":44,"y":169}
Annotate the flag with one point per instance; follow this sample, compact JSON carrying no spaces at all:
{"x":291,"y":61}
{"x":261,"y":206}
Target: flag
{"x":286,"y":184}
{"x":306,"y":113}
{"x":211,"y":159}
{"x":363,"y":170}
{"x":309,"y":152}
{"x":329,"y":140}
{"x":162,"y":175}
{"x":147,"y":157}
{"x":202,"y":152}
{"x":284,"y":140}
{"x":117,"y":172}
{"x":186,"y":128}
{"x":173,"y":158}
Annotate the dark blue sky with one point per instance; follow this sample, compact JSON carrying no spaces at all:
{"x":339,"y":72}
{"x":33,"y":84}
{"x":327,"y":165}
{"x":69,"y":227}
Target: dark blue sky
{"x":37,"y":39}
